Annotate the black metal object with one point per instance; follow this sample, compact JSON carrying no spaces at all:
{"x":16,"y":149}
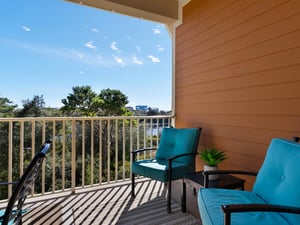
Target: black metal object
{"x":238,"y":208}
{"x":23,"y":188}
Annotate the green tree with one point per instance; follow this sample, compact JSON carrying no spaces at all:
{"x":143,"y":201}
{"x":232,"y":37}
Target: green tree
{"x":82,"y":102}
{"x":114,"y":102}
{"x":7,"y":108}
{"x":33,"y":107}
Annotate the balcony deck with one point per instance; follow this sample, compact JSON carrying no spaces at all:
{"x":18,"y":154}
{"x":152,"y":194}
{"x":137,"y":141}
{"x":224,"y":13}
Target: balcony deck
{"x":107,"y":204}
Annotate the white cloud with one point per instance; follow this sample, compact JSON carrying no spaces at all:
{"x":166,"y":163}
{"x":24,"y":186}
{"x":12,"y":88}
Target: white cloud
{"x":159,"y":48}
{"x":138,"y":49}
{"x":154,"y":59}
{"x":113,"y":46}
{"x":156,"y":31}
{"x":90,"y":45}
{"x":119,"y":60}
{"x":26,"y":28}
{"x":79,"y":54}
{"x":136,"y":60}
{"x":95,"y":30}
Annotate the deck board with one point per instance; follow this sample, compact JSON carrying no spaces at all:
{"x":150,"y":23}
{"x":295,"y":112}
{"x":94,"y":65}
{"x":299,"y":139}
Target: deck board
{"x":108,"y":204}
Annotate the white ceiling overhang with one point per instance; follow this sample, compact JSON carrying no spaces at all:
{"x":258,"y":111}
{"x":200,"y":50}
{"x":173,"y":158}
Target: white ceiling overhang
{"x":161,"y":11}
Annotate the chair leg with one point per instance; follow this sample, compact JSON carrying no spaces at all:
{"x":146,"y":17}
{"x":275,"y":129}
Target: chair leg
{"x":169,"y":196}
{"x":169,"y":186}
{"x":132,"y":185}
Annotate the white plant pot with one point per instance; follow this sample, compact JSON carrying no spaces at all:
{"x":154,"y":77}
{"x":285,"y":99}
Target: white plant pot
{"x":209,"y":168}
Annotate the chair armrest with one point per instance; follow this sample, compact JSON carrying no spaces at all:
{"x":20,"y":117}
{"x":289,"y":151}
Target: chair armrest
{"x":175,"y":157}
{"x":181,"y":155}
{"x":142,"y":150}
{"x":228,"y":209}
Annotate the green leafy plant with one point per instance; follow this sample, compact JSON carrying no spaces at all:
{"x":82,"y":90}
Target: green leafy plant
{"x":212,"y":156}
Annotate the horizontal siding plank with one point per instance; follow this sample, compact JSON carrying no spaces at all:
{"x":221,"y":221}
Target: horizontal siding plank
{"x":193,"y":95}
{"x":204,"y":73}
{"x":266,"y":122}
{"x":288,"y":74}
{"x":243,"y":134}
{"x":286,"y":107}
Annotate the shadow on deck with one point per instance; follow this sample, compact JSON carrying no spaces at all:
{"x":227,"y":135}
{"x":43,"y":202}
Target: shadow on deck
{"x":109,"y":204}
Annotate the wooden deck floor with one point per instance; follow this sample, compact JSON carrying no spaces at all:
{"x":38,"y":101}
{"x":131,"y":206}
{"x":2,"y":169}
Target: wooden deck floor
{"x":109,"y":205}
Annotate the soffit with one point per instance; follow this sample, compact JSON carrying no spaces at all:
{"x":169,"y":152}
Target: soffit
{"x":162,"y":11}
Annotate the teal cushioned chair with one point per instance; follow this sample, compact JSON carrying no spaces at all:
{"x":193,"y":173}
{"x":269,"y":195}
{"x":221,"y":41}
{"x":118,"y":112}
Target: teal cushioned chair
{"x":175,"y":156}
{"x":274,"y":199}
{"x":13,"y":212}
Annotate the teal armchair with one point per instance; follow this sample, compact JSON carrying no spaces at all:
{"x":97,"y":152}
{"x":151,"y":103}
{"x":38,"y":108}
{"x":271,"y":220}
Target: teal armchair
{"x":175,"y":156}
{"x":274,"y":199}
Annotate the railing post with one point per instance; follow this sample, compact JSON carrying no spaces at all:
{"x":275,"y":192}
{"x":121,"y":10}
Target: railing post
{"x":83,"y":153}
{"x":43,"y":164}
{"x":63,"y":165}
{"x":21,"y":146}
{"x":116,"y":150}
{"x":92,"y":152}
{"x":32,"y":145}
{"x":131,"y":145}
{"x":10,"y":148}
{"x":100,"y":151}
{"x":124,"y":149}
{"x":108,"y":151}
{"x":53,"y":156}
{"x":73,"y":156}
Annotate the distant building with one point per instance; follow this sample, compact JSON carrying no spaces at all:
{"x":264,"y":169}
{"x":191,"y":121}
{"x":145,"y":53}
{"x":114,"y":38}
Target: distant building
{"x":143,"y":108}
{"x":130,"y":108}
{"x":154,"y":109}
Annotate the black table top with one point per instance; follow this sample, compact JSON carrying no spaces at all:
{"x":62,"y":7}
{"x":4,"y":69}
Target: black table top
{"x":224,"y":180}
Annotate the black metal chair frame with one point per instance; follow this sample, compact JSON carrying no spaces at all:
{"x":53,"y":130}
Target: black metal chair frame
{"x":13,"y":211}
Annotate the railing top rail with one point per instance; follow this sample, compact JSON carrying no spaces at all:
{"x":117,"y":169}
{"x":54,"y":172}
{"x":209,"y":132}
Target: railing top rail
{"x":82,"y":118}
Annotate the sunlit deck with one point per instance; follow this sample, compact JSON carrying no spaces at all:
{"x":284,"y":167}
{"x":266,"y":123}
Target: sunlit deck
{"x":107,"y":204}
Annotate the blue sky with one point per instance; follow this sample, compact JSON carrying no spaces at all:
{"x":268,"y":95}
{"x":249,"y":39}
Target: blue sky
{"x":48,"y":47}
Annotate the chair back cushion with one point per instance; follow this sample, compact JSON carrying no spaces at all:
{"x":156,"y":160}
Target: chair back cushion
{"x":278,"y":180}
{"x":175,"y":141}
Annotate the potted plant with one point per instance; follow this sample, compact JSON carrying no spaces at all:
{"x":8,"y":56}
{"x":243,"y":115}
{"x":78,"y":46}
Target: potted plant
{"x":212,"y":157}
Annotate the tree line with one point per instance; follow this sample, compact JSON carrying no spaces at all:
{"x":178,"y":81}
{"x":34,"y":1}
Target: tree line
{"x":83,"y":101}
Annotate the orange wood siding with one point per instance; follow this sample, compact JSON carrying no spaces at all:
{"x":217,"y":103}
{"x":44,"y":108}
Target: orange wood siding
{"x":237,"y":75}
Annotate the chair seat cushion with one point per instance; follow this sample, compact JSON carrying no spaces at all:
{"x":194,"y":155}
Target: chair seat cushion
{"x":211,"y":199}
{"x":158,"y":169}
{"x":2,"y":211}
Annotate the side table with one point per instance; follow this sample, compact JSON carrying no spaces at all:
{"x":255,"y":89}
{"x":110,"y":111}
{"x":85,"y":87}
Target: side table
{"x":196,"y":181}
